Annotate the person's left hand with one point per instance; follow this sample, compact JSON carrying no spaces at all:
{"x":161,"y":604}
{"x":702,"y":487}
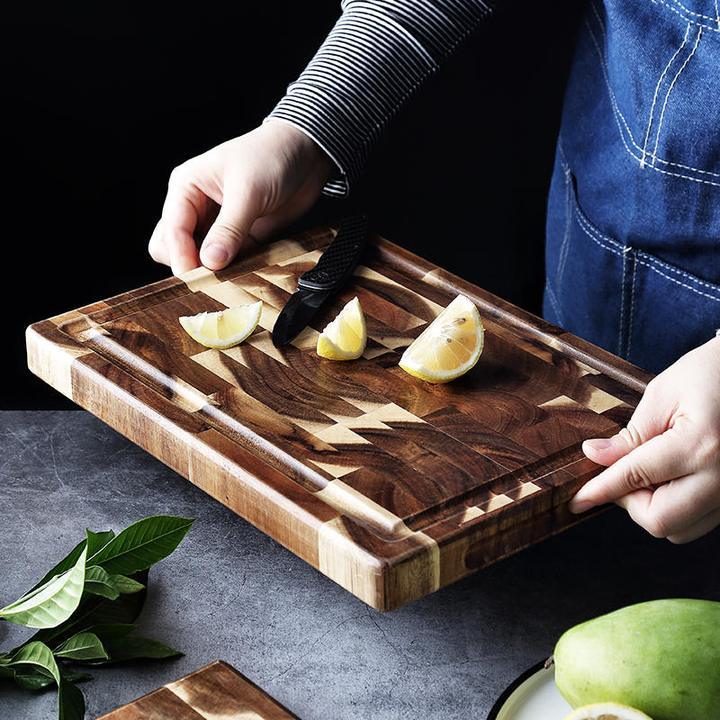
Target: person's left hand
{"x":664,"y":467}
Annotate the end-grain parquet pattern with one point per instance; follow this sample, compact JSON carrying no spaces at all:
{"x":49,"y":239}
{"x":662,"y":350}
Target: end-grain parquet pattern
{"x":391,"y":486}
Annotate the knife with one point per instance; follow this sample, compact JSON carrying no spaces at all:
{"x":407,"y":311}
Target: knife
{"x":331,"y":272}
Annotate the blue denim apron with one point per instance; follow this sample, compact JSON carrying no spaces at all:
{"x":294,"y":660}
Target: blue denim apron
{"x":633,"y":226}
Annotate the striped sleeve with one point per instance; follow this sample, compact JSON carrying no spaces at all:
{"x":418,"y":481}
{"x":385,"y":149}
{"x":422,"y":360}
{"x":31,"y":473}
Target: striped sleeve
{"x":376,"y":56}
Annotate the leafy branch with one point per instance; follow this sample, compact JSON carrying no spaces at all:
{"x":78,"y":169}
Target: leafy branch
{"x":84,"y":610}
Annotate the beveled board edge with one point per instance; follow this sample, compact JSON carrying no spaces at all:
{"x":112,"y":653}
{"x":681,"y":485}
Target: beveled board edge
{"x":279,"y":711}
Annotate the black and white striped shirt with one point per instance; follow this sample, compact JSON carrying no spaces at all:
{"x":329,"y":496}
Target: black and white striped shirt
{"x":376,"y":56}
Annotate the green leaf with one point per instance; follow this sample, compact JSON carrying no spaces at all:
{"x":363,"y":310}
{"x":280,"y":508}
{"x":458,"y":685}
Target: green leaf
{"x":99,"y":582}
{"x":136,"y":647}
{"x":126,"y":585}
{"x":97,"y":540}
{"x":83,"y":646}
{"x":142,"y":544}
{"x":112,"y":631}
{"x":38,"y":657}
{"x":65,"y":564}
{"x":95,"y":610}
{"x":33,"y":679}
{"x":32,"y":669}
{"x":51,"y":604}
{"x":71,"y":702}
{"x":75,"y":676}
{"x":38,"y":679}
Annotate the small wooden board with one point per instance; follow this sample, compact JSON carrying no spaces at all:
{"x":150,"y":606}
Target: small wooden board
{"x":390,"y":486}
{"x":216,"y":691}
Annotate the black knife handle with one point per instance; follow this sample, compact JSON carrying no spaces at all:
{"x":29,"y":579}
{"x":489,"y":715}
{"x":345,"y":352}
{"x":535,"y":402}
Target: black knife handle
{"x":340,"y":258}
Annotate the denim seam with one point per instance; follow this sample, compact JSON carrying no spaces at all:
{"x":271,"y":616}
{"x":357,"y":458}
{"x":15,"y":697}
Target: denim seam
{"x":685,"y":17}
{"x":619,"y":116}
{"x":678,"y":282}
{"x":554,"y":302}
{"x":563,"y":159}
{"x":595,"y":231}
{"x":616,"y":107}
{"x":657,"y":90}
{"x":632,"y":308}
{"x":691,"y":12}
{"x":580,"y":215}
{"x":670,"y":89}
{"x":666,"y":266}
{"x":621,"y":327}
{"x":617,"y":112}
{"x":586,"y":229}
{"x":594,"y":234}
{"x":565,"y":247}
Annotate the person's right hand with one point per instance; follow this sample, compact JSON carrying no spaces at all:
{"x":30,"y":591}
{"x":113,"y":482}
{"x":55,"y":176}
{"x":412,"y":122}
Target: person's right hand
{"x":233,"y":196}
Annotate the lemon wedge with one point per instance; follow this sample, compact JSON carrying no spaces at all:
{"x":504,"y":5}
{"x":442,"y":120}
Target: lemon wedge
{"x":607,"y":711}
{"x":224,"y":328}
{"x":449,"y":346}
{"x":345,"y":337}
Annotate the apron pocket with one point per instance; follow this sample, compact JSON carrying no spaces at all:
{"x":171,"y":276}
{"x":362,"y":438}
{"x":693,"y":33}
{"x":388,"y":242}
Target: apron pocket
{"x":619,"y":297}
{"x":671,"y":311}
{"x":585,"y":270}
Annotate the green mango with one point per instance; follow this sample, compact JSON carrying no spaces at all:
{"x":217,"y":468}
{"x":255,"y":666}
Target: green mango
{"x":661,"y":657}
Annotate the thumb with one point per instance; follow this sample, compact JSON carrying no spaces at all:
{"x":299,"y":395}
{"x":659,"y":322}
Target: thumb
{"x":648,"y":421}
{"x":230,"y":233}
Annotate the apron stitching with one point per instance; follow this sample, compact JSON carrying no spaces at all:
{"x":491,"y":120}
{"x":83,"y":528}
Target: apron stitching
{"x":599,"y":19}
{"x":579,"y":218}
{"x":621,"y":327}
{"x":604,"y":69}
{"x":670,"y":89}
{"x":685,"y":17}
{"x":582,"y":222}
{"x":632,"y":307}
{"x":596,"y":232}
{"x":674,"y":174}
{"x":675,"y":280}
{"x":565,"y":247}
{"x":554,"y":302}
{"x":619,"y":116}
{"x":655,"y":260}
{"x":563,"y":159}
{"x":657,"y":89}
{"x":692,"y":12}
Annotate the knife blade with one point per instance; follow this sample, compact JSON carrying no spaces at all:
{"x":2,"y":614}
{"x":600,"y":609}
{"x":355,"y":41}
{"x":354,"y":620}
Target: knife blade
{"x":329,"y":275}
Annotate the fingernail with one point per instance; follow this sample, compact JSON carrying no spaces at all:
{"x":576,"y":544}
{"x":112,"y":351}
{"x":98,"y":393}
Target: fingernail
{"x":215,"y":253}
{"x":599,"y":443}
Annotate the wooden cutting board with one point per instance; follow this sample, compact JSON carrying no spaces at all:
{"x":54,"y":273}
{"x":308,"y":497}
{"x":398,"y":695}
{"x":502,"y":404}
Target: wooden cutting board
{"x":215,"y":691}
{"x":390,"y":486}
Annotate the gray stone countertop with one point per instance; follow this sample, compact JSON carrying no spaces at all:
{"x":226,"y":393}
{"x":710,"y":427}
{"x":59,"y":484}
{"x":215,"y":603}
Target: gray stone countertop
{"x":232,"y":593}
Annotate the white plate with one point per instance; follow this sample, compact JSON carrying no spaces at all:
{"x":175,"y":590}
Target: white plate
{"x":533,"y":696}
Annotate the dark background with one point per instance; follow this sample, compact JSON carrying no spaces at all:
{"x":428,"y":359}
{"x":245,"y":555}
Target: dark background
{"x":102,"y":103}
